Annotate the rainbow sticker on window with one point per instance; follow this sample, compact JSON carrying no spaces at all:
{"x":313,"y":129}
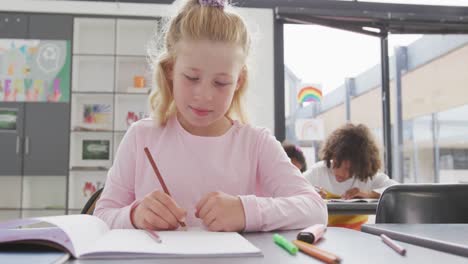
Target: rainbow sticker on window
{"x":309,"y":94}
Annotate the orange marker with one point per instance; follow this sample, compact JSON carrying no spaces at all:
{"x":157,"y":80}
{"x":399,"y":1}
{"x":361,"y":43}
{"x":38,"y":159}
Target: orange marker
{"x":317,"y":253}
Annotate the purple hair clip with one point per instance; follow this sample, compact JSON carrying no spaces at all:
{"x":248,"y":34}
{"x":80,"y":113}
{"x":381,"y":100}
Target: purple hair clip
{"x":298,"y":149}
{"x":213,"y":3}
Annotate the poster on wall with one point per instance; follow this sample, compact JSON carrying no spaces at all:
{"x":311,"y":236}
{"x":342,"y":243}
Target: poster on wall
{"x":34,"y":70}
{"x":83,"y":185}
{"x":96,"y":115}
{"x":91,"y":150}
{"x":96,"y":150}
{"x":310,"y":129}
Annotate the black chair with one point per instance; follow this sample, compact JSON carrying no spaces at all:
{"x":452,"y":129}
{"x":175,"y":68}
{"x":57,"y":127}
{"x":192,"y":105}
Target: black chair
{"x":423,"y":203}
{"x":91,"y":203}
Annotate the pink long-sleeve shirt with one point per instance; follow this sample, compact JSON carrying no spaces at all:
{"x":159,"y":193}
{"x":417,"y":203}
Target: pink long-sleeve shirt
{"x":245,"y":161}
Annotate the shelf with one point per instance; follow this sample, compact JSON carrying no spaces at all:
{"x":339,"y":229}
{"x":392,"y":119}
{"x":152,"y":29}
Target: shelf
{"x":133,"y":90}
{"x":94,"y":35}
{"x":134,"y":35}
{"x":93,"y":55}
{"x":92,"y":92}
{"x":92,"y":111}
{"x":104,"y":101}
{"x":82,"y":185}
{"x":127,"y":68}
{"x":91,"y":149}
{"x":79,"y":169}
{"x":93,"y":74}
{"x":84,"y":129}
{"x":129,"y":109}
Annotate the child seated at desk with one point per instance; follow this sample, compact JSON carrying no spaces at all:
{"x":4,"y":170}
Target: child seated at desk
{"x":349,"y":169}
{"x":296,"y":155}
{"x":234,"y":176}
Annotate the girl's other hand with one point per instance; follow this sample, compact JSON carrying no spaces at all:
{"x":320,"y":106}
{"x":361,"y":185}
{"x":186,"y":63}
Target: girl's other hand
{"x":158,"y":211}
{"x":354,"y":193}
{"x":221,"y":212}
{"x":321,"y":192}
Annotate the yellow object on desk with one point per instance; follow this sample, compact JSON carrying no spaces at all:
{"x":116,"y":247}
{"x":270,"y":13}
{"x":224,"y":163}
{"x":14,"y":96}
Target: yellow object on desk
{"x":347,"y":221}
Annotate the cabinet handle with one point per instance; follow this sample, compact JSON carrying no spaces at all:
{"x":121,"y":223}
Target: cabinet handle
{"x":26,"y":145}
{"x":17,"y":144}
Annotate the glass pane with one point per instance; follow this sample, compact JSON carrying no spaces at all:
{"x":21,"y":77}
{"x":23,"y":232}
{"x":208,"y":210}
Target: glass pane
{"x":336,"y":62}
{"x":434,"y":106}
{"x":453,"y":145}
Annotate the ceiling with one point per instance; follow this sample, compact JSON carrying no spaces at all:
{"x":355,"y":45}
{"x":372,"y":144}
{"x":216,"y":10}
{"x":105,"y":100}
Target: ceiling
{"x":378,"y":18}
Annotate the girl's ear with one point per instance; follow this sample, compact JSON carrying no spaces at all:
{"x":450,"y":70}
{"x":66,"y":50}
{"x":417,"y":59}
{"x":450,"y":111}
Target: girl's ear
{"x":169,"y":70}
{"x":242,"y":78}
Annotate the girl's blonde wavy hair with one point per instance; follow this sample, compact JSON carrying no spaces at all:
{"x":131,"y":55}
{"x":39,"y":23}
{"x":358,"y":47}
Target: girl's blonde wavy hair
{"x":196,"y":22}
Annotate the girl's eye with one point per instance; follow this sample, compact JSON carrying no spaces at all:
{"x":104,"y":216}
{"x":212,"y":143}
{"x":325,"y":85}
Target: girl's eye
{"x":190,"y":78}
{"x":221,"y":84}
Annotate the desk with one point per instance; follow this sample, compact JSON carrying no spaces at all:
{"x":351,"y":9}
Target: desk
{"x":352,"y":246}
{"x":16,"y":257}
{"x":352,"y":208}
{"x":452,"y":238}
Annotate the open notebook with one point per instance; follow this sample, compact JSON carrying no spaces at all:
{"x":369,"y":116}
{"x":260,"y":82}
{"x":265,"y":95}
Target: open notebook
{"x":86,"y":236}
{"x":359,"y":200}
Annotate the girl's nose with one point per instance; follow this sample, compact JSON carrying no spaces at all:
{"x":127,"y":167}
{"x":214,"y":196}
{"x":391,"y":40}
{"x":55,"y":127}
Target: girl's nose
{"x":204,"y":92}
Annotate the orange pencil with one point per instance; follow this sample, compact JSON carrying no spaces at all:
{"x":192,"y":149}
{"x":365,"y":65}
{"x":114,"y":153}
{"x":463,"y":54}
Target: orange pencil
{"x":317,"y":253}
{"x":158,"y":175}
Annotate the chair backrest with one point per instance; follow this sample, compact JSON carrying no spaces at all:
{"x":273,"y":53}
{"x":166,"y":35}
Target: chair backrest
{"x":91,"y":203}
{"x":424,"y":203}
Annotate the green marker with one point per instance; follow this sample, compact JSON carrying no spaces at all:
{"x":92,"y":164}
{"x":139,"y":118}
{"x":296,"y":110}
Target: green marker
{"x":284,"y":243}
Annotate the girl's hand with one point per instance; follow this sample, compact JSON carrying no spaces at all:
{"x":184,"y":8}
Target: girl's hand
{"x":158,"y":211}
{"x":221,"y":212}
{"x":321,"y":192}
{"x":355,"y":193}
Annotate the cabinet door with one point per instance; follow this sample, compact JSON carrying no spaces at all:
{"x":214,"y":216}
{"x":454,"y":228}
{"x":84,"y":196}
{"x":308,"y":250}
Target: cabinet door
{"x":13,"y":26}
{"x":46,"y":145}
{"x":50,"y":26}
{"x":11,"y":137}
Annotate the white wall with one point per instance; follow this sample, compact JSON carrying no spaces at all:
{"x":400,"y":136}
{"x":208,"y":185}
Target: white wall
{"x":260,"y":105}
{"x":260,"y":96}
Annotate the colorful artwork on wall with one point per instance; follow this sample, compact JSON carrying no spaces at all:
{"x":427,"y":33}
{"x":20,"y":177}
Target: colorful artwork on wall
{"x":34,"y":70}
{"x":97,"y":114}
{"x":83,"y":184}
{"x":96,"y":150}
